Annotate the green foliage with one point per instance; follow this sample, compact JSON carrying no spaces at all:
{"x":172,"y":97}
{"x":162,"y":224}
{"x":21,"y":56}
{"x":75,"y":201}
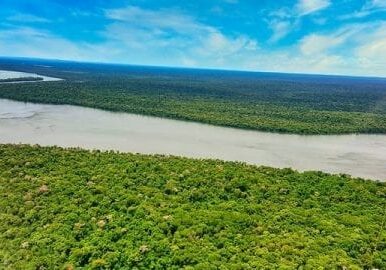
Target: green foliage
{"x":268,"y":102}
{"x":71,"y":208}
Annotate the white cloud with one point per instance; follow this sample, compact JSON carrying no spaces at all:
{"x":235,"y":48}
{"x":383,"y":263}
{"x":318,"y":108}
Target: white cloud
{"x":370,"y":7}
{"x":27,"y":18}
{"x":137,"y":36}
{"x":356,"y":49}
{"x":168,"y":33}
{"x":314,"y":44}
{"x":376,"y":4}
{"x":166,"y":19}
{"x":284,"y":20}
{"x":318,"y":43}
{"x":280,"y":29}
{"x":305,"y":7}
{"x":31,"y":42}
{"x":281,"y":13}
{"x":374,"y":51}
{"x":158,"y":37}
{"x":219,"y":45}
{"x":371,"y":53}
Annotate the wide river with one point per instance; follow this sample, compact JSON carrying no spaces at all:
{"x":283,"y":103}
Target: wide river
{"x":72,"y":126}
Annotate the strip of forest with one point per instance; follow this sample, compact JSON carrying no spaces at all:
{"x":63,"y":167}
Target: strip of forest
{"x":302,"y":104}
{"x":21,"y":79}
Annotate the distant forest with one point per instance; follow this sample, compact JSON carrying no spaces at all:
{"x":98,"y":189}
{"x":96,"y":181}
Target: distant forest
{"x":290,"y":103}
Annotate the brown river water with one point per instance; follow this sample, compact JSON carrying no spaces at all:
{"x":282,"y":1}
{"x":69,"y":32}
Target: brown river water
{"x":72,"y":126}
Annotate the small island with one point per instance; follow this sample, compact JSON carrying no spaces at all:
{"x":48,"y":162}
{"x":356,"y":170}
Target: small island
{"x":21,"y":79}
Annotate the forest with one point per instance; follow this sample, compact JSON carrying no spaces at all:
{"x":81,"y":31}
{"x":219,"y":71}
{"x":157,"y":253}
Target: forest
{"x":77,"y":209}
{"x":290,"y":103}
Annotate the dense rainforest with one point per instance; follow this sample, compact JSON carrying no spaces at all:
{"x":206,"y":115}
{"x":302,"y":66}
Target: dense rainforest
{"x":78,"y":209}
{"x":292,"y":103}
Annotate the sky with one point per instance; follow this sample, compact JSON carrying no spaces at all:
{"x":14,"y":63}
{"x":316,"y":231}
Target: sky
{"x":346,"y":37}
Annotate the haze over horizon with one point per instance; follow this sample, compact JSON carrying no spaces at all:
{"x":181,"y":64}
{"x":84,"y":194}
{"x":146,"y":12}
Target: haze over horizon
{"x":345,"y":37}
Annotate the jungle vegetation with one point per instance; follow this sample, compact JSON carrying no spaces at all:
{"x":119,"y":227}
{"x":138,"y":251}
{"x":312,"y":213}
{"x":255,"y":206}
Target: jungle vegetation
{"x":292,"y":103}
{"x":78,"y":209}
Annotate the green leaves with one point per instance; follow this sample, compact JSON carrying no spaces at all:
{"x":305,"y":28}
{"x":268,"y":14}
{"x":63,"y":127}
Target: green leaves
{"x":106,"y":210}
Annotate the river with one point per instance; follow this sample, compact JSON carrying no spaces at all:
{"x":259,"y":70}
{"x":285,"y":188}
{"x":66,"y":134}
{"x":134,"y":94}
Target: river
{"x":6,"y":74}
{"x":71,"y":126}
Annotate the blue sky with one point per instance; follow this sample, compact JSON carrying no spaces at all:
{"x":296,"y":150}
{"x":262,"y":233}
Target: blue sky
{"x":310,"y":36}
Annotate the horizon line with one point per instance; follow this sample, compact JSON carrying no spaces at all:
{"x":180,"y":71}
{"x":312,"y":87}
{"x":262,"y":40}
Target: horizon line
{"x":193,"y":68}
